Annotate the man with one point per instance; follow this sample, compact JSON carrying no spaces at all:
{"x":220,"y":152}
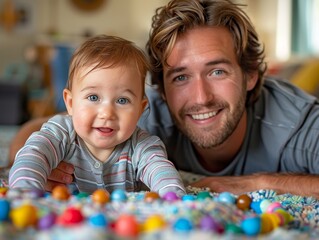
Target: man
{"x":214,"y":110}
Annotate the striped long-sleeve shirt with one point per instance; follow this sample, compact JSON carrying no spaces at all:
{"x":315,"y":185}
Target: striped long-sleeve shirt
{"x":141,"y":160}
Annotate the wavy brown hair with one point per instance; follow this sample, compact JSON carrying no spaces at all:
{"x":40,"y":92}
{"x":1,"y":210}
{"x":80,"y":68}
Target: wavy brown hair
{"x":179,"y":16}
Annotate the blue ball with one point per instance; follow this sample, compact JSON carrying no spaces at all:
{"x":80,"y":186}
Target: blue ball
{"x":4,"y":209}
{"x":255,"y":205}
{"x":118,"y":195}
{"x":188,"y":197}
{"x":98,"y":220}
{"x":183,"y":225}
{"x":251,"y":226}
{"x":226,"y":197}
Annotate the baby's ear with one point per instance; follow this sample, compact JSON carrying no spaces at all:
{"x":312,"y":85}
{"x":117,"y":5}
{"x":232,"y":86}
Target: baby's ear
{"x":67,"y":97}
{"x":144,"y":103}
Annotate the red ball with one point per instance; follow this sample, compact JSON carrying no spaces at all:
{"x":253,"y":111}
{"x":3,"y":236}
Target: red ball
{"x":126,"y":226}
{"x":71,"y":216}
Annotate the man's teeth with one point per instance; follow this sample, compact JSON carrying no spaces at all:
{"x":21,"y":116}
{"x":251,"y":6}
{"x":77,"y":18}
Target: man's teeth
{"x":204,"y":116}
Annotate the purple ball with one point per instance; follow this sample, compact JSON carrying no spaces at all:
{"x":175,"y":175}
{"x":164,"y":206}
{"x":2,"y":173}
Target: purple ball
{"x":208,"y":223}
{"x":47,"y":221}
{"x":170,"y":197}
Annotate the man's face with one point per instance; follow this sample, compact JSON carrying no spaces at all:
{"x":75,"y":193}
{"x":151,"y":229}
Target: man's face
{"x":204,"y":86}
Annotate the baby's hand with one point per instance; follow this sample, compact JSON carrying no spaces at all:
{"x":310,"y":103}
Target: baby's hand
{"x":61,"y":175}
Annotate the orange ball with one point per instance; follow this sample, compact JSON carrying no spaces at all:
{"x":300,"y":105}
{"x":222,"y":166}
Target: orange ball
{"x":61,"y":192}
{"x":151,"y":196}
{"x":101,"y":196}
{"x":3,"y":191}
{"x":243,"y":202}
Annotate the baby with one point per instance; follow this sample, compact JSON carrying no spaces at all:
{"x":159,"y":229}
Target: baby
{"x":104,"y":98}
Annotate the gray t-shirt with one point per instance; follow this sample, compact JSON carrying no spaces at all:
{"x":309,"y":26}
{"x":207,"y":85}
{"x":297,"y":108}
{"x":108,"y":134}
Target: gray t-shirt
{"x":282,"y":133}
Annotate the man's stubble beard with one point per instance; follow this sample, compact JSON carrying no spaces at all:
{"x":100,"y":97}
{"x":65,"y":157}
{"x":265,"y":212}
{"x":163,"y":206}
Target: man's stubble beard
{"x":208,"y":137}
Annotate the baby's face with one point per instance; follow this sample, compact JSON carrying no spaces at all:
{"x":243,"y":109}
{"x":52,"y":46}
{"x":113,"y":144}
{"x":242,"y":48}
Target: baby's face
{"x":105,"y":106}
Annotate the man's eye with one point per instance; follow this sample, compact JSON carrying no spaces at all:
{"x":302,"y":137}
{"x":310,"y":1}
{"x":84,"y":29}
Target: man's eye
{"x":123,"y":101}
{"x":180,"y":78}
{"x":217,"y":72}
{"x":93,"y":98}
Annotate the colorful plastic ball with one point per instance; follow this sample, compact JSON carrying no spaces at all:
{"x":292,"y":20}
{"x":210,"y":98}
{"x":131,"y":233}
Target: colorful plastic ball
{"x":286,"y":216}
{"x":98,"y":220}
{"x":202,"y":195}
{"x":188,"y":197}
{"x":118,"y":195}
{"x":243,"y":202}
{"x":273,"y":206}
{"x":82,"y":195}
{"x":170,"y":197}
{"x":275,"y":219}
{"x":61,"y":193}
{"x":183,"y":225}
{"x":47,"y":221}
{"x":207,"y":223}
{"x":24,"y":216}
{"x":3,"y":191}
{"x":151,"y":197}
{"x":4,"y":209}
{"x":154,"y":223}
{"x":251,"y":226}
{"x":255,"y":205}
{"x":266,"y":223}
{"x":126,"y":226}
{"x":233,"y":229}
{"x":100,"y":196}
{"x":264,"y":204}
{"x":70,"y":216}
{"x":226,"y":197}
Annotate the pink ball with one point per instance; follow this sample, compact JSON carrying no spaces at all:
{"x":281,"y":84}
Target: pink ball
{"x":273,"y":206}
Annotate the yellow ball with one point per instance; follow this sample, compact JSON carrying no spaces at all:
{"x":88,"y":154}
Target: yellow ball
{"x":24,"y":216}
{"x":153,"y":223}
{"x":266,"y":223}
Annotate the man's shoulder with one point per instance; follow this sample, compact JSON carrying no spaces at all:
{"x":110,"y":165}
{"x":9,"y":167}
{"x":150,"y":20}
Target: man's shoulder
{"x":280,"y":89}
{"x":281,"y":100}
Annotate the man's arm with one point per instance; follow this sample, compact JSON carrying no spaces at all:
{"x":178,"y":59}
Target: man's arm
{"x":297,"y":184}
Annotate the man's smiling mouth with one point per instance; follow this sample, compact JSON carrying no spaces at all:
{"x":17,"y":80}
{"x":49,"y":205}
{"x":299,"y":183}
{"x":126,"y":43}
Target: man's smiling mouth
{"x":204,"y":116}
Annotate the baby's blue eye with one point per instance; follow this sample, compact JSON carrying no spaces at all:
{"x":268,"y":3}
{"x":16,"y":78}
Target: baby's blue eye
{"x":122,"y":101}
{"x":93,"y":98}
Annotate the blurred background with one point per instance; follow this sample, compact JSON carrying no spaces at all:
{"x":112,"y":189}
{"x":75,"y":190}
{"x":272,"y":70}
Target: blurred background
{"x":37,"y":38}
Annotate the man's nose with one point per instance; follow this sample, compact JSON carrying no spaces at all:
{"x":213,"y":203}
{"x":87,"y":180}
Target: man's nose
{"x":203,"y":91}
